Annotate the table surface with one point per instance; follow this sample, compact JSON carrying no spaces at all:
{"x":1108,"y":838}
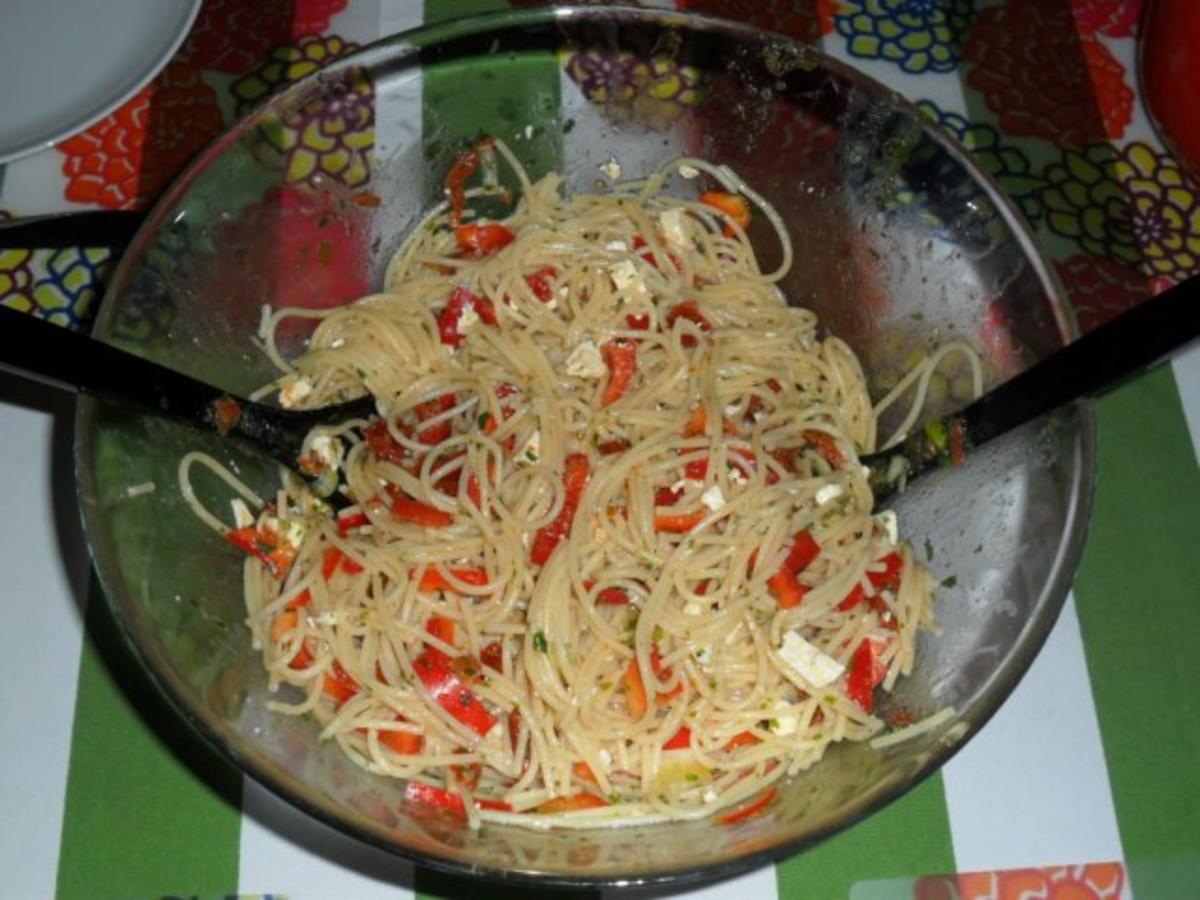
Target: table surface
{"x":1085,"y":784}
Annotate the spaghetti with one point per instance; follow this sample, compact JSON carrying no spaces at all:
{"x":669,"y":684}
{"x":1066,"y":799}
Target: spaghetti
{"x":612,"y":557}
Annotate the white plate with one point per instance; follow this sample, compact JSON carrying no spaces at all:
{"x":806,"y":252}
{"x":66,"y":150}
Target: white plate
{"x":64,"y":64}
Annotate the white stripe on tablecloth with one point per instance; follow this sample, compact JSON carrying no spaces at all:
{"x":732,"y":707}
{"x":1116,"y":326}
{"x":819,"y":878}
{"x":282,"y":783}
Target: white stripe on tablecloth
{"x":34,"y":185}
{"x":1032,"y":787}
{"x":286,"y":852}
{"x":41,"y":635}
{"x":1187,"y":376}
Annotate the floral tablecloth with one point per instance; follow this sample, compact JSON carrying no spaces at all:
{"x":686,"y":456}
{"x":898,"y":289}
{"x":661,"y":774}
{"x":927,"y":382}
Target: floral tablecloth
{"x":1085,"y":785}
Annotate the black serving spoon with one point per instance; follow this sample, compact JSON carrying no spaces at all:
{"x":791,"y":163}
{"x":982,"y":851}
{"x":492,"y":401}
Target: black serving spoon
{"x":1086,"y":367}
{"x":73,"y":361}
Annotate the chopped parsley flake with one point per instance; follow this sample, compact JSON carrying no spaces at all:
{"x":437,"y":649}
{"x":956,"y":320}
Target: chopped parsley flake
{"x":540,"y":644}
{"x":950,"y":581}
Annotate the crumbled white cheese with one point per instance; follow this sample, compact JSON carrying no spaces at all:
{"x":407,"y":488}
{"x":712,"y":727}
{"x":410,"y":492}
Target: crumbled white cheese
{"x":713,"y":498}
{"x":326,"y":618}
{"x":827,"y":493}
{"x":293,"y":532}
{"x":336,"y":343}
{"x":886,"y":519}
{"x":611,"y":169}
{"x":673,"y":228}
{"x":736,"y":476}
{"x":686,"y":171}
{"x":467,"y":317}
{"x":704,"y":656}
{"x":809,"y":663}
{"x":293,"y":390}
{"x":617,"y":246}
{"x":731,"y":410}
{"x":242,"y":516}
{"x":605,"y":757}
{"x":585,"y":361}
{"x":328,"y":450}
{"x":626,"y":277}
{"x":783,"y":725}
{"x":693,"y":609}
{"x":686,"y":484}
{"x":532,"y":449}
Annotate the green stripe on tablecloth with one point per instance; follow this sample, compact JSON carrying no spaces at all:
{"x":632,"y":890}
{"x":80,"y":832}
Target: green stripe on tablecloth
{"x":150,"y":810}
{"x":907,"y":838}
{"x":459,"y":101}
{"x":1139,"y":610}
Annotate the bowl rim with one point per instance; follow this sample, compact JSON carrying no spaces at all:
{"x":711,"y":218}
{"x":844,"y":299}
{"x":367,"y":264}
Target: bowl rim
{"x":138,"y":637}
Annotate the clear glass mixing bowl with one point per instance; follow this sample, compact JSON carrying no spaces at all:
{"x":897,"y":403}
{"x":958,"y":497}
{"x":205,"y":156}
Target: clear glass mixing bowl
{"x":901,"y":243}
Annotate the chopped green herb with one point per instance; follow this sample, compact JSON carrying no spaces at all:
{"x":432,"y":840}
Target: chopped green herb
{"x":606,"y":686}
{"x":531,"y":456}
{"x":692,"y":776}
{"x":659,"y":634}
{"x":540,"y":644}
{"x":928,"y":549}
{"x":950,"y":581}
{"x":361,"y":373}
{"x":614,"y":799}
{"x":773,"y":724}
{"x":483,"y":420}
{"x":568,"y":126}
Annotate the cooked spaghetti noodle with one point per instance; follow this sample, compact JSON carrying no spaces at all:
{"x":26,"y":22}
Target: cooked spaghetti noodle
{"x":612,"y":557}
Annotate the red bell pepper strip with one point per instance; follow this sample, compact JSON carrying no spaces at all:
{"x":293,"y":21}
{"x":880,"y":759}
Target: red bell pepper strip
{"x":866,"y":672}
{"x":493,"y":656}
{"x":450,"y":801}
{"x":540,"y":283}
{"x":405,"y":509}
{"x":262,"y":546}
{"x":404,"y":742}
{"x":638,"y":322}
{"x":348,"y":521}
{"x":678,"y":523}
{"x":888,"y":579}
{"x":690,"y":311}
{"x":635,"y":690}
{"x":612,"y":596}
{"x":339,"y":685}
{"x":433,"y":580}
{"x":435,"y":434}
{"x":615,"y":446}
{"x":459,"y":300}
{"x":441,"y":628}
{"x":301,"y":600}
{"x":620,"y":356}
{"x":680,"y":740}
{"x":826,"y":446}
{"x":483,"y":240}
{"x":381,"y":443}
{"x":464,"y":166}
{"x":333,"y":559}
{"x":584,"y":772}
{"x":451,"y":694}
{"x":753,"y":809}
{"x":741,"y":739}
{"x":804,"y":550}
{"x":575,"y":478}
{"x":732,"y":205}
{"x":570,"y":804}
{"x":787,"y":588}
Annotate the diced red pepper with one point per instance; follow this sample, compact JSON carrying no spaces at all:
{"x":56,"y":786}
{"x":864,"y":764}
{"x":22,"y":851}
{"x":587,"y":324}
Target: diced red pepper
{"x":612,"y":596}
{"x":570,"y":804}
{"x":866,"y":672}
{"x":607,"y":448}
{"x":753,"y":809}
{"x":804,"y":550}
{"x":696,"y":469}
{"x":404,"y":742}
{"x":666,"y":496}
{"x":302,"y":599}
{"x":575,"y":477}
{"x":639,"y":242}
{"x":465,"y":165}
{"x":347,"y":522}
{"x":690,"y":311}
{"x":338,"y":684}
{"x":635,"y":690}
{"x":787,"y":588}
{"x":540,"y":283}
{"x":468,"y":776}
{"x":620,"y":356}
{"x":888,"y":579}
{"x":333,"y":559}
{"x":697,"y":424}
{"x":433,"y":580}
{"x":638,"y":322}
{"x":678,"y":523}
{"x":741,"y":739}
{"x":958,"y":442}
{"x":459,"y":300}
{"x":405,"y":509}
{"x":680,"y":740}
{"x":381,"y":443}
{"x":663,"y":673}
{"x":439,"y":798}
{"x":441,"y":628}
{"x":494,"y":805}
{"x":584,"y":772}
{"x":435,"y":434}
{"x":732,"y":205}
{"x":493,"y":656}
{"x":277,"y":558}
{"x":451,"y":694}
{"x":483,"y":240}
{"x":826,"y":446}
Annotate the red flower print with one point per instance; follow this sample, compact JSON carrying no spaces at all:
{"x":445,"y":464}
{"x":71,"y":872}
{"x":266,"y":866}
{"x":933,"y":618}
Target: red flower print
{"x":1115,"y":18}
{"x":804,"y":20}
{"x":127,"y":157}
{"x":234,"y":36}
{"x":1025,"y":58}
{"x":1100,"y":289}
{"x":1094,"y":881}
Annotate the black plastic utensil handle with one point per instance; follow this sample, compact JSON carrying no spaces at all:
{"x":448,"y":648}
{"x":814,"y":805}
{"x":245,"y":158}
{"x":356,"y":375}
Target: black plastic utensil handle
{"x":98,"y":228}
{"x":1101,"y":359}
{"x":34,"y":348}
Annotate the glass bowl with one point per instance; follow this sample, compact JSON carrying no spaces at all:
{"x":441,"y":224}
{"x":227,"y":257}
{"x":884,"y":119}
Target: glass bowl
{"x":901,"y":243}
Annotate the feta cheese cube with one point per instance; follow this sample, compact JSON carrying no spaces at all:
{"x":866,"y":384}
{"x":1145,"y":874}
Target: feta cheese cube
{"x":328,"y":449}
{"x":886,"y":519}
{"x":532,"y":449}
{"x":611,"y":169}
{"x":585,"y":361}
{"x":736,"y":475}
{"x":827,"y":493}
{"x":808,"y":662}
{"x":605,"y":757}
{"x":686,"y":171}
{"x":626,"y":277}
{"x":674,"y":228}
{"x":467,"y":317}
{"x":294,"y":389}
{"x":242,"y":517}
{"x":693,"y":609}
{"x":713,"y":498}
